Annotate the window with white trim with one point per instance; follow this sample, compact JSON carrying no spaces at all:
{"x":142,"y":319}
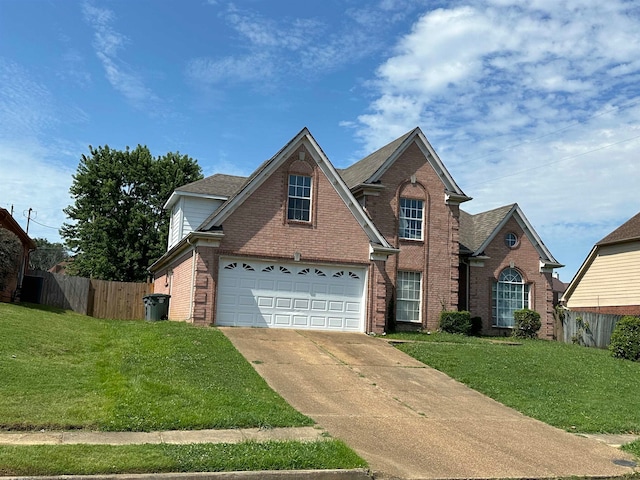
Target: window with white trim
{"x":509,"y":294}
{"x":408,"y":288}
{"x":299,"y":204}
{"x":410,"y":224}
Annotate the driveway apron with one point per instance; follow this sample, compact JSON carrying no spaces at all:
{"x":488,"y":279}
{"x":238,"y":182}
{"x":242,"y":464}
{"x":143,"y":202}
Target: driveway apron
{"x":408,"y":420}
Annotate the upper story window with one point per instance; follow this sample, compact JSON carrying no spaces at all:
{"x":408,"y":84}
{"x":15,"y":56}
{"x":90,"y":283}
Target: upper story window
{"x":511,"y":239}
{"x":411,"y":215}
{"x":299,"y":204}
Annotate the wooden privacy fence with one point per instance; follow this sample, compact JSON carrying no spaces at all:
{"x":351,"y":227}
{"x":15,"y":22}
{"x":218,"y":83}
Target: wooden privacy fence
{"x":588,"y":328}
{"x":96,"y":298}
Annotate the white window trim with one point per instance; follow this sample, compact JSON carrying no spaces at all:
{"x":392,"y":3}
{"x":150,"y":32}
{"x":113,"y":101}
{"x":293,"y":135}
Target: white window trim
{"x":525,"y":299}
{"x":310,"y":198}
{"x":401,"y":218}
{"x":419,"y":300}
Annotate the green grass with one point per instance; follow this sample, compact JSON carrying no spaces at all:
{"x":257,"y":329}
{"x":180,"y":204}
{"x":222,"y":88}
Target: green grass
{"x":207,"y":457}
{"x":61,"y":370}
{"x":571,"y":387}
{"x":633,"y":448}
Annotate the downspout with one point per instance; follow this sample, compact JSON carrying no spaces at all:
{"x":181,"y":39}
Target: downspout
{"x":193,"y":279}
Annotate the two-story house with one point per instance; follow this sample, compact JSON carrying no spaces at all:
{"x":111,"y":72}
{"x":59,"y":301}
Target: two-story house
{"x":299,"y":244}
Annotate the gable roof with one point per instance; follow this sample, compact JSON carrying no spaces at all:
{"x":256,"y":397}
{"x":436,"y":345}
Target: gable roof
{"x":478,"y":231}
{"x":628,"y":231}
{"x":258,"y":177}
{"x":7,"y":221}
{"x":370,"y":169}
{"x":218,"y":186}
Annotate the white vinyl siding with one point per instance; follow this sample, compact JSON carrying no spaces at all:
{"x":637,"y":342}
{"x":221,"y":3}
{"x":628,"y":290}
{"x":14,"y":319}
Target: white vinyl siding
{"x":188,"y":214}
{"x":612,"y":279}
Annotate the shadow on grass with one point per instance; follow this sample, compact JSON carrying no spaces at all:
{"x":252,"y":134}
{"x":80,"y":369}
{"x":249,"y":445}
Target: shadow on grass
{"x":44,"y":308}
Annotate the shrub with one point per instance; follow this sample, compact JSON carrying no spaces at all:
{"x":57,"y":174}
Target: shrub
{"x":455,"y":322}
{"x":625,"y":339}
{"x":476,"y":326}
{"x":527,"y":323}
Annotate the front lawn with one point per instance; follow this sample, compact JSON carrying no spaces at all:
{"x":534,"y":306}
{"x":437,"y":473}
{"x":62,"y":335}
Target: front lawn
{"x":571,"y":387}
{"x":203,"y":457}
{"x":60,"y":371}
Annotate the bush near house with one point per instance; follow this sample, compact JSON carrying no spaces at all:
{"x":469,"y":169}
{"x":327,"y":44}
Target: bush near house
{"x":625,"y":339}
{"x":455,"y":322}
{"x":527,"y":323}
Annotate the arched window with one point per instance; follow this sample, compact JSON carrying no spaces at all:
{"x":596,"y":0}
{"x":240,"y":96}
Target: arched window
{"x":509,"y":294}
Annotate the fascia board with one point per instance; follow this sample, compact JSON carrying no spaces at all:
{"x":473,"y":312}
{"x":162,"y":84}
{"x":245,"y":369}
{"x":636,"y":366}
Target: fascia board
{"x":528,"y":230}
{"x":345,"y":194}
{"x":580,"y":273}
{"x":305,"y":138}
{"x":191,"y":240}
{"x":176,"y":194}
{"x":255,"y":183}
{"x":432,"y":158}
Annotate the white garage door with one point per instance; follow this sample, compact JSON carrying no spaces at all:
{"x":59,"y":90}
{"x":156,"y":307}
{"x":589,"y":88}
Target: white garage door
{"x":253,"y":293}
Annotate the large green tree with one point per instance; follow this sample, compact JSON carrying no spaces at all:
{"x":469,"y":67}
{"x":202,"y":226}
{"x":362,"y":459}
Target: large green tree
{"x":118,"y":226}
{"x":47,"y":254}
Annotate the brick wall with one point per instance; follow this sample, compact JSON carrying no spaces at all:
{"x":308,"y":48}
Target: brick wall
{"x":259,"y":226}
{"x":436,"y":256}
{"x":619,"y":310}
{"x":175,"y":280}
{"x":525,"y":259}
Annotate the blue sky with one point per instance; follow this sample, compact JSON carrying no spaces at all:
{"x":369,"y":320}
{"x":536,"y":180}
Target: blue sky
{"x":536,"y":103}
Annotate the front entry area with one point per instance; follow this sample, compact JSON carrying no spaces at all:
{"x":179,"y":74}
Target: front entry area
{"x":258,"y":293}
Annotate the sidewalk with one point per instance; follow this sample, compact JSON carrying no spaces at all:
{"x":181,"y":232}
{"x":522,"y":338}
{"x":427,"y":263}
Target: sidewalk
{"x":305,"y":434}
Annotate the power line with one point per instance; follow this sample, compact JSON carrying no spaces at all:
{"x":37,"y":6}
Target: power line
{"x":567,"y":127}
{"x":556,"y":161}
{"x":43,"y":225}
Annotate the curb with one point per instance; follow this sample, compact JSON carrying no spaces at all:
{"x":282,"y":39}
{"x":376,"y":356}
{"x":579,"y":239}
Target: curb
{"x":353,"y":474}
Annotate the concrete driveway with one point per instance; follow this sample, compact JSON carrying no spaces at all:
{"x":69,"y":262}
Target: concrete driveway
{"x":410,"y":421}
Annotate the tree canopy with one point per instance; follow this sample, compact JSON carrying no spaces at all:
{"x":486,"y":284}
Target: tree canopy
{"x":47,"y":254}
{"x":10,"y":254}
{"x":118,"y":225}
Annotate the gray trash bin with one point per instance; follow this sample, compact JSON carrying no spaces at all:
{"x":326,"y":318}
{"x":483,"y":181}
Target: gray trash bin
{"x":156,"y":307}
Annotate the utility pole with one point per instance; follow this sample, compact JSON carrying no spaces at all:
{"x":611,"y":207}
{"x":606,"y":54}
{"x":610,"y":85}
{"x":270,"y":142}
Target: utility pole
{"x":28,"y":220}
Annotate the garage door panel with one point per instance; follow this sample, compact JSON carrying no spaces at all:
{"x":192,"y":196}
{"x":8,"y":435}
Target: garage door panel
{"x":265,"y":302}
{"x":319,"y":305}
{"x":301,"y":304}
{"x":267,"y":294}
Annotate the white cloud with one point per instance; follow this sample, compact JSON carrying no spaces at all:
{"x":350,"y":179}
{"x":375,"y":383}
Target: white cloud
{"x":535,"y":103}
{"x":107,"y":43}
{"x":301,"y":47}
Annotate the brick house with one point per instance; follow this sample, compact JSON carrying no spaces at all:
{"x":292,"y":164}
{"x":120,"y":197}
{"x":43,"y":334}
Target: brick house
{"x":299,"y":244}
{"x":505,"y":266}
{"x":11,"y":290}
{"x":608,"y":281}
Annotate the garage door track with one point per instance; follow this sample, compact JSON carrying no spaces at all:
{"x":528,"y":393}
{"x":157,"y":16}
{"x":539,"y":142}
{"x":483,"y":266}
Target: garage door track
{"x":410,"y":421}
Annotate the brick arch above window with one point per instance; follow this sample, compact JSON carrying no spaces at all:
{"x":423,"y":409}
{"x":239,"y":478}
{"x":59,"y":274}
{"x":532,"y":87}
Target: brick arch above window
{"x":412,"y":206}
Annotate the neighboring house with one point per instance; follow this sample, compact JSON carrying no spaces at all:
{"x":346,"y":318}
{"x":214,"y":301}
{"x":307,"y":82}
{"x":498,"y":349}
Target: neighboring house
{"x":504,"y":266}
{"x":299,"y":244}
{"x":12,"y":288}
{"x":609,"y":279}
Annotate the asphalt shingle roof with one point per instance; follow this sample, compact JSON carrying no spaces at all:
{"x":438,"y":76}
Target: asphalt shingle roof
{"x":630,"y":230}
{"x":362,"y":170}
{"x":475,"y":229}
{"x":218,"y":184}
